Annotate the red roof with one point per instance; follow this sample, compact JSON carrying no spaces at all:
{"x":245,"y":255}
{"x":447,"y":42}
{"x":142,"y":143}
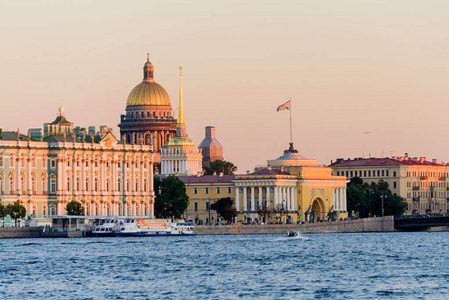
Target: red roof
{"x":380,"y":162}
{"x":265,"y":172}
{"x":207,"y":179}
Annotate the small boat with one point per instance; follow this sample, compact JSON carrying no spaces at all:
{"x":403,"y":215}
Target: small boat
{"x":106,"y":228}
{"x":154,"y":227}
{"x":293,"y":233}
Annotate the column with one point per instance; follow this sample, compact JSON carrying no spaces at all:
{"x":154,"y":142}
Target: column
{"x":29,"y":187}
{"x":133,"y":175}
{"x":267,"y":193}
{"x":244,"y":198}
{"x":59,"y":177}
{"x":253,"y":208}
{"x":237,"y":200}
{"x":340,"y":200}
{"x":295,"y":198}
{"x":275,"y":203}
{"x":260,"y":197}
{"x":344,"y":200}
{"x":333,"y":199}
{"x":288,"y":204}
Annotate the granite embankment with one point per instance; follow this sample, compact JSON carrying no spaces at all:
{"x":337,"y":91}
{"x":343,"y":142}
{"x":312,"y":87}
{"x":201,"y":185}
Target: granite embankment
{"x":381,"y":224}
{"x":20,"y":232}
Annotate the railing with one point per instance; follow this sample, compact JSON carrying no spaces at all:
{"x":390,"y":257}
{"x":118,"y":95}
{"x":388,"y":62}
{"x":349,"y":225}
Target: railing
{"x":423,"y":177}
{"x":416,"y":188}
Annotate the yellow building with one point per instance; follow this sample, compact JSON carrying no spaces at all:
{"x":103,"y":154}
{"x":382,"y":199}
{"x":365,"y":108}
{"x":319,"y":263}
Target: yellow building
{"x":291,"y":188}
{"x":423,"y":184}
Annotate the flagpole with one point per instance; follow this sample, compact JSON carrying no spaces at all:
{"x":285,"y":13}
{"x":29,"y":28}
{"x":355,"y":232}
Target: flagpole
{"x":291,"y":140}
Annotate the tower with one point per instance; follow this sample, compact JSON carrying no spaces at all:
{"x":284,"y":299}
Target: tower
{"x":210,"y":147}
{"x":179,"y":155}
{"x":149,"y":116}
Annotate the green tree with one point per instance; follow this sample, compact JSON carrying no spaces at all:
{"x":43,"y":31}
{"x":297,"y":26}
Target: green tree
{"x":16,"y":211}
{"x":74,"y":208}
{"x":225,"y":208}
{"x":3,"y":213}
{"x":220,"y":166}
{"x":171,"y":197}
{"x":367,"y":199}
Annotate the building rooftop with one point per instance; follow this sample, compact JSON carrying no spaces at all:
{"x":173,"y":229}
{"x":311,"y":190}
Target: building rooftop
{"x":386,"y":161}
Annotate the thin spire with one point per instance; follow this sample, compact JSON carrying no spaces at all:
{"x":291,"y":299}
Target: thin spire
{"x":148,"y":56}
{"x":181,"y":128}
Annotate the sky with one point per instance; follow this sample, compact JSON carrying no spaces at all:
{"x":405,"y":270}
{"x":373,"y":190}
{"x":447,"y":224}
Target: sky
{"x":349,"y":67}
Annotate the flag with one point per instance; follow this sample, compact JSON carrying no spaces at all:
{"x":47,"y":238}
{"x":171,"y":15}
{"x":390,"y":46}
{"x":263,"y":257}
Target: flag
{"x":284,"y":106}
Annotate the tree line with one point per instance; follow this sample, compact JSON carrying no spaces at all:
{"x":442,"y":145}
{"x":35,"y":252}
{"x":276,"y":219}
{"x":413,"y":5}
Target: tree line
{"x":14,"y":210}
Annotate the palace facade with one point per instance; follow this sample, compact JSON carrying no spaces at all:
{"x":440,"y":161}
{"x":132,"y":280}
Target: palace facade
{"x":423,"y":184}
{"x":45,"y":170}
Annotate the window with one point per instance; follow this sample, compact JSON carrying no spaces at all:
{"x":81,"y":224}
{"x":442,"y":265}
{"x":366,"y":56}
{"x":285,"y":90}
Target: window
{"x":11,"y":162}
{"x":352,"y":174}
{"x":78,"y":184}
{"x":68,"y":162}
{"x":207,"y":205}
{"x":347,"y":173}
{"x":68,"y":184}
{"x":394,"y":174}
{"x":394,"y":184}
{"x":22,"y":184}
{"x":378,"y":173}
{"x":387,"y":173}
{"x":53,"y":163}
{"x":195,"y":206}
{"x":53,"y":184}
{"x":207,"y":190}
{"x":364,"y":173}
{"x":119,"y":164}
{"x":369,"y":173}
{"x":383,"y":173}
{"x":229,"y":190}
{"x":338,"y":173}
{"x":33,"y":185}
{"x":33,"y":162}
{"x":148,"y":114}
{"x":11,"y":185}
{"x":137,"y":185}
{"x":87,"y":184}
{"x":96,"y":184}
{"x":44,"y":185}
{"x":1,"y":185}
{"x":44,"y":210}
{"x":96,"y":163}
{"x":195,"y":191}
{"x":218,"y":190}
{"x":128,"y":185}
{"x":120,"y":184}
{"x":1,"y":161}
{"x":145,"y":184}
{"x":108,"y":184}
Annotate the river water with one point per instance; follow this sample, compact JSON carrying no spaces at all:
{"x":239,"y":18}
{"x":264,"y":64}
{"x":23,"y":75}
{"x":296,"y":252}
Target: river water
{"x":350,"y":266}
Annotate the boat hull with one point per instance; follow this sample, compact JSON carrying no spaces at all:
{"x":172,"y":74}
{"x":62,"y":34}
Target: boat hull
{"x":153,"y":233}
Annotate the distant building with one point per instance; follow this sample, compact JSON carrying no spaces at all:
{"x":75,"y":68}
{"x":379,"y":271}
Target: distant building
{"x":424,"y":184}
{"x":291,"y":187}
{"x":46,"y":170}
{"x":149,"y":117}
{"x":210,"y":147}
{"x":179,"y":155}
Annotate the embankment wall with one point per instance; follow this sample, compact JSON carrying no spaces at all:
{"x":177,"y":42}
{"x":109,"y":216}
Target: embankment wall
{"x":20,"y":232}
{"x":382,"y":224}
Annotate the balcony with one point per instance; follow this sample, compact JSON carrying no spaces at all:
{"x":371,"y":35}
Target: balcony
{"x":416,"y":188}
{"x":423,"y":177}
{"x":416,"y":199}
{"x":441,"y":178}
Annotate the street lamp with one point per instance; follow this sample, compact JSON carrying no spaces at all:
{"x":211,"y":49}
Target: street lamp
{"x":383,"y":196}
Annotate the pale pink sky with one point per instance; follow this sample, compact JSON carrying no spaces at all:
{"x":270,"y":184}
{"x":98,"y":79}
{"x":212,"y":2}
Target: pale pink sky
{"x":349,"y":67}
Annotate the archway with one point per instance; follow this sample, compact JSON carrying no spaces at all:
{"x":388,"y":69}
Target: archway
{"x":317,"y":210}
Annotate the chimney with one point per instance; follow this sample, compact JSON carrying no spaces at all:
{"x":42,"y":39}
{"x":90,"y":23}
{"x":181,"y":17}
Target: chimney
{"x":434,"y":161}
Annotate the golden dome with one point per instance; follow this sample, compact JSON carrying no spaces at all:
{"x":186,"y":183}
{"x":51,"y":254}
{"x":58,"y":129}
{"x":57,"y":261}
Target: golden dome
{"x":148,"y":93}
{"x":180,"y":141}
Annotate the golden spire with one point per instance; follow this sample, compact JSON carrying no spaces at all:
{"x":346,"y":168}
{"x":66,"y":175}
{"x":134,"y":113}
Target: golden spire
{"x":181,"y":126}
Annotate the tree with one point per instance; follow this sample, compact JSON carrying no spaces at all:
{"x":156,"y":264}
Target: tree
{"x":16,"y":211}
{"x":171,"y":197}
{"x":225,"y":208}
{"x":74,"y":208}
{"x":3,"y":213}
{"x":220,"y":166}
{"x":367,"y":199}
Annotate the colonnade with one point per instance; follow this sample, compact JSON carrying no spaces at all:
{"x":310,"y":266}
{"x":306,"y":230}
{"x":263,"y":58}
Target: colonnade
{"x":339,"y":199}
{"x":284,"y":197}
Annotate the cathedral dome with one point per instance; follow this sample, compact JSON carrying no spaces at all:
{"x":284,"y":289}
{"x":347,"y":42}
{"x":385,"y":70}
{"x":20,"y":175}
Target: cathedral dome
{"x":148,"y":93}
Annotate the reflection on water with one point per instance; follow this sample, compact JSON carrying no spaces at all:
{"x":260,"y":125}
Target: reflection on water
{"x":398,"y":265}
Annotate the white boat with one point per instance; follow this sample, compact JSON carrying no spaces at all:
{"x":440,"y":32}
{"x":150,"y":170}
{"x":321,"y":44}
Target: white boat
{"x":106,"y":228}
{"x":293,"y":233}
{"x":154,"y":227}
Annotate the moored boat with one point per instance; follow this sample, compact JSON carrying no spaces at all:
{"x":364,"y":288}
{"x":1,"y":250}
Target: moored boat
{"x":106,"y":228}
{"x":155,"y":227}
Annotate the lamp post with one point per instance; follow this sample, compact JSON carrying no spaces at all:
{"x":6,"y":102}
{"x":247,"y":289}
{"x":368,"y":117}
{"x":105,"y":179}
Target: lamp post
{"x":383,"y":196}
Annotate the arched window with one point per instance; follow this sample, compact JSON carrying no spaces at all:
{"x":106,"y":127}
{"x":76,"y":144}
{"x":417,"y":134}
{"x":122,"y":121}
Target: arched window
{"x":108,"y":184}
{"x":137,"y":185}
{"x":108,"y":209}
{"x":145,"y":209}
{"x":87,"y":209}
{"x":33,"y":185}
{"x":96,"y":184}
{"x":87,"y":184}
{"x":120,"y":209}
{"x":148,"y":114}
{"x":119,"y":184}
{"x":52,"y":210}
{"x":11,"y":184}
{"x":78,"y":184}
{"x":142,"y":115}
{"x":132,"y":115}
{"x":44,"y":210}
{"x":128,"y":210}
{"x":22,"y":184}
{"x":34,"y":211}
{"x":96,"y":207}
{"x":128,"y":185}
{"x":69,"y":184}
{"x":137,"y":209}
{"x":53,"y":184}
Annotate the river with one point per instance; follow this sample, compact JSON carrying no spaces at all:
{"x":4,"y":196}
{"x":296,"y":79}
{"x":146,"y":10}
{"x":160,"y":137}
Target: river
{"x":349,"y":266}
